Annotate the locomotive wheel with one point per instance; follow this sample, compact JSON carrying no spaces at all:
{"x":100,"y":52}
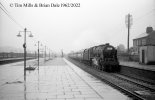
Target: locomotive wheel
{"x":110,"y":68}
{"x":103,"y":67}
{"x":106,"y":68}
{"x":93,"y":66}
{"x":100,"y":68}
{"x":117,"y":68}
{"x":96,"y":67}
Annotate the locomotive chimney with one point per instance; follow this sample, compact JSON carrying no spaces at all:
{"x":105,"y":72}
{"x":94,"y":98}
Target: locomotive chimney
{"x":107,"y":44}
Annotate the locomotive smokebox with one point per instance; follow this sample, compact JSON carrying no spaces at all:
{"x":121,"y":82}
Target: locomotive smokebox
{"x":107,"y":44}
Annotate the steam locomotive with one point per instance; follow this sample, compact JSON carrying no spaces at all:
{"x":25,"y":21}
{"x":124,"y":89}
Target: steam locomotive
{"x":102,"y":57}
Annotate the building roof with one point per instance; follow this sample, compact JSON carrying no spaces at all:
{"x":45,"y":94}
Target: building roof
{"x":142,"y":35}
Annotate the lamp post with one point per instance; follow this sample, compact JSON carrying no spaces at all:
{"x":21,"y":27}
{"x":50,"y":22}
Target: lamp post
{"x":62,"y":54}
{"x":45,"y":53}
{"x":38,"y":55}
{"x":38,"y":52}
{"x":49,"y":54}
{"x":35,"y":55}
{"x":24,"y":46}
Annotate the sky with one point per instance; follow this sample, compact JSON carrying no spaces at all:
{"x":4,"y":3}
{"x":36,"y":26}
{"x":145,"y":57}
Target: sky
{"x":95,"y":22}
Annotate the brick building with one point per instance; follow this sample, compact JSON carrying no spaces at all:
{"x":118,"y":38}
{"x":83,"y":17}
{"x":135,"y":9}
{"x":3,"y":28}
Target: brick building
{"x":144,"y":46}
{"x":144,"y":39}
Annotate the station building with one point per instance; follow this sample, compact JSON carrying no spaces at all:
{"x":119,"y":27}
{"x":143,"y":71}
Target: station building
{"x":144,"y":46}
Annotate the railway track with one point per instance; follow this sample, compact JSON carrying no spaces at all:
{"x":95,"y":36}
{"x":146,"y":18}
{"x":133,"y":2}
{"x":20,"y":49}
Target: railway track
{"x":137,"y":89}
{"x":144,"y":84}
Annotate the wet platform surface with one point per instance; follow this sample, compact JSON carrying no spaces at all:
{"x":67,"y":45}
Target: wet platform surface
{"x":57,"y":79}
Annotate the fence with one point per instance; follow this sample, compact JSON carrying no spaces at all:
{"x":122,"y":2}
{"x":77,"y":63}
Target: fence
{"x":5,"y":55}
{"x":128,"y":57}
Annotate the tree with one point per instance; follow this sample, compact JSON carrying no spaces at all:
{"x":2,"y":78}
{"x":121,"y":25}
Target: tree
{"x":121,"y":48}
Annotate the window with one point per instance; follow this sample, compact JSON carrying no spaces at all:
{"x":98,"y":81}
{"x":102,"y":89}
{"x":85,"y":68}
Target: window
{"x":134,"y":43}
{"x":137,"y":42}
{"x":143,"y":41}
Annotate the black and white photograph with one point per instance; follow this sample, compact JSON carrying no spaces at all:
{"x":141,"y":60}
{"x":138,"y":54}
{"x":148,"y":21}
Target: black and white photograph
{"x":77,"y":49}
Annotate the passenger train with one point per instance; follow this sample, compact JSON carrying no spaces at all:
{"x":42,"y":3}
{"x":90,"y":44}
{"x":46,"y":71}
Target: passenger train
{"x":102,"y":57}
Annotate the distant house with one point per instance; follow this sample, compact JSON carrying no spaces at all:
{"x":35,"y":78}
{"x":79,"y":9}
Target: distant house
{"x":144,"y":46}
{"x":144,"y":39}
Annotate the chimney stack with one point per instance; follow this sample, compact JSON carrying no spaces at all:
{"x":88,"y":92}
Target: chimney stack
{"x":149,"y":29}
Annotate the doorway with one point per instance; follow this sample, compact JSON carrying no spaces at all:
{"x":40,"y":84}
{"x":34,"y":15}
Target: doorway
{"x":143,"y":56}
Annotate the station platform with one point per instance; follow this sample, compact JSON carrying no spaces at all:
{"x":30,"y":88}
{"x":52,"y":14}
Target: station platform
{"x":57,"y":79}
{"x":138,"y":71}
{"x":137,"y":65}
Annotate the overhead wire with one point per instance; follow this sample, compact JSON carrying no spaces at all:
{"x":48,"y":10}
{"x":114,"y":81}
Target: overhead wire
{"x":137,"y":20}
{"x":2,"y":7}
{"x":146,"y":14}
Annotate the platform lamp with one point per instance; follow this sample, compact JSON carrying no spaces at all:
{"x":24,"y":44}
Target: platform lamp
{"x":24,"y":46}
{"x":39,"y":44}
{"x":45,"y":53}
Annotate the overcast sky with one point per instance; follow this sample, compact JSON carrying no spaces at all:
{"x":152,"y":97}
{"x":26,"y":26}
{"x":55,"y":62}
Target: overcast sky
{"x":75,"y":28}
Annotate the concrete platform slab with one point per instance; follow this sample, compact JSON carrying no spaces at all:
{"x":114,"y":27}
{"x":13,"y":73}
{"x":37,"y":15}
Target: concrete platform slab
{"x":57,"y":80}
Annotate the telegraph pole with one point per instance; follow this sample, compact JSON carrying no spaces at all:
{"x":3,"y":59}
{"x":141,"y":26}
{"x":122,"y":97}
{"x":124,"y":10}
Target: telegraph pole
{"x":128,"y":30}
{"x":128,"y":21}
